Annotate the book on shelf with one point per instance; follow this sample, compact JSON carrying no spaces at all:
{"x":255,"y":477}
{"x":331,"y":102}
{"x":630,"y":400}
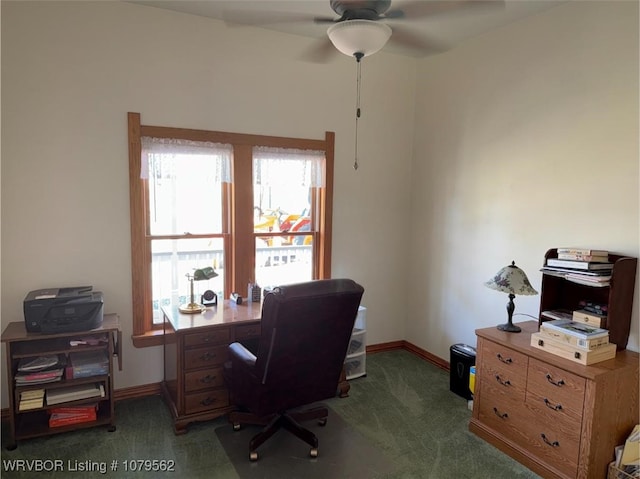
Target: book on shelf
{"x":61,"y":419}
{"x":578,"y":355}
{"x":584,"y":257}
{"x":83,"y":364}
{"x":74,"y":393}
{"x":573,"y":341}
{"x":40,"y":363}
{"x":41,"y":377}
{"x":71,"y":410}
{"x":562,"y":272}
{"x":587,"y":317}
{"x":562,"y":314}
{"x":580,"y":330}
{"x":583,"y":251}
{"x":581,"y":265}
{"x":586,"y":281}
{"x":31,"y":399}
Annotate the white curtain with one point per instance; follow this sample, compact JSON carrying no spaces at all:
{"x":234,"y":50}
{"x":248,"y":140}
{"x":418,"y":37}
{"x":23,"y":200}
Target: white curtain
{"x":156,"y":149}
{"x":306,"y":167}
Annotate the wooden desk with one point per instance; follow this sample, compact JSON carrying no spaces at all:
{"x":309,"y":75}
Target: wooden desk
{"x":195,"y":349}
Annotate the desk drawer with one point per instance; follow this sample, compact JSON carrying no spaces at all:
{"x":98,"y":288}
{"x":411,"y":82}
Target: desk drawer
{"x":248,"y":331}
{"x":206,"y":400}
{"x":205,"y":357}
{"x":210,"y":336}
{"x":203,"y":379}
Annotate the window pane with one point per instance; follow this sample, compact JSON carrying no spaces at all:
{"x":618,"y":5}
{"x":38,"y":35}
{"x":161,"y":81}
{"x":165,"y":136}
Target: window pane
{"x":281,"y":201}
{"x":185,"y":196}
{"x":278,"y":264}
{"x":171,"y":260}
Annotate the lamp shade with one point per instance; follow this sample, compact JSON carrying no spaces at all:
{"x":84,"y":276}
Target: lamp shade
{"x":359,"y":36}
{"x":512,"y":280}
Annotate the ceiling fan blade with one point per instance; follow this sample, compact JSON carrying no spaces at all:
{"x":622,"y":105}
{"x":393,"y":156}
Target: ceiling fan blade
{"x":320,"y":52}
{"x":423,"y":45}
{"x":264,"y":17}
{"x":417,"y":9}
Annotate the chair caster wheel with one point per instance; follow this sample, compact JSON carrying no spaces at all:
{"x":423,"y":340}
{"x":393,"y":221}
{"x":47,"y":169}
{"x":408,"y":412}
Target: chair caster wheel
{"x":236,"y":427}
{"x":313,"y":452}
{"x":322,"y":421}
{"x":253,"y":456}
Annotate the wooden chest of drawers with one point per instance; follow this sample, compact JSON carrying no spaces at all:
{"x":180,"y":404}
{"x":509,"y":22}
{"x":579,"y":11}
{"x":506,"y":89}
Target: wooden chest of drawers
{"x":559,"y":418}
{"x":195,"y":350}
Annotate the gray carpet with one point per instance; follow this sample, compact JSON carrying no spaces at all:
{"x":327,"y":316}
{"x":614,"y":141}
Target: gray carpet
{"x":338,"y":445}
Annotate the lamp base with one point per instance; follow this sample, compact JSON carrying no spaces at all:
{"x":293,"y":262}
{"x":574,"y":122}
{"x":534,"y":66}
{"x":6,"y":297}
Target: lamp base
{"x":509,"y":328}
{"x":192,"y":308}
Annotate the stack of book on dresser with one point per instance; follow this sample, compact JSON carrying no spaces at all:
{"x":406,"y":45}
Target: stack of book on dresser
{"x":577,"y":336}
{"x":581,"y":265}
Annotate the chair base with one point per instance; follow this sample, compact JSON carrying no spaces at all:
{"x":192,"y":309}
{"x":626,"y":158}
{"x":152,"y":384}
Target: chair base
{"x":289,"y":420}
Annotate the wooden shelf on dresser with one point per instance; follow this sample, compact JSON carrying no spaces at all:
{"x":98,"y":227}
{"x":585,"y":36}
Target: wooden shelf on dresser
{"x":557,"y":417}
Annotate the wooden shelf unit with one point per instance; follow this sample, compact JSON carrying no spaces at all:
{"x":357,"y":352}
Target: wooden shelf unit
{"x":21,"y":344}
{"x":560,"y":293}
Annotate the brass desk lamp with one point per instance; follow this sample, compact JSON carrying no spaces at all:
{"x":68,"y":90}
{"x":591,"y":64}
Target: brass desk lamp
{"x":200,"y":274}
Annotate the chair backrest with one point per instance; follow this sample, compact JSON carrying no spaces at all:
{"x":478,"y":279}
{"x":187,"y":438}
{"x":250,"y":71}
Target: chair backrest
{"x":306,"y":328}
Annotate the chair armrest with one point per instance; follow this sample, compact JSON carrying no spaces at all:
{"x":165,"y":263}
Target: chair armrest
{"x":241,"y":356}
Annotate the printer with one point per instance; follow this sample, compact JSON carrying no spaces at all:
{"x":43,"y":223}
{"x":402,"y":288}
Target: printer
{"x":63,"y":310}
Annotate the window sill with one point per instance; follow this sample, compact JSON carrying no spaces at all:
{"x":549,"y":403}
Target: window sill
{"x":148,"y":339}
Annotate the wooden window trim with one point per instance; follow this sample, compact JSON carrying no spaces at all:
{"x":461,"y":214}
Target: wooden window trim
{"x":237,"y":229}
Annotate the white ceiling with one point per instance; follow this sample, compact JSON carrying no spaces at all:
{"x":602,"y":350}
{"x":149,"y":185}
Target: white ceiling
{"x":446,"y":29}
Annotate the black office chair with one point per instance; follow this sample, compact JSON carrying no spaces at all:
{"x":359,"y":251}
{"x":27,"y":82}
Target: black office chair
{"x":305,"y":332}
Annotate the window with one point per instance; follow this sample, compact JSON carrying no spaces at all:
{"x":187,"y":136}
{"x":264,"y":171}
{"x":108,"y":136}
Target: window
{"x":255,"y":208}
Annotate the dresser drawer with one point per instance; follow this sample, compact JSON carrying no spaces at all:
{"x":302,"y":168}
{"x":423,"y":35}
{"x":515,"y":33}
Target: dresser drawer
{"x":555,"y":389}
{"x":500,"y":411}
{"x":203,"y":379}
{"x":503,"y":367}
{"x":204,"y":357}
{"x":248,"y":331}
{"x":206,"y":400}
{"x":553,"y":444}
{"x":210,"y":336}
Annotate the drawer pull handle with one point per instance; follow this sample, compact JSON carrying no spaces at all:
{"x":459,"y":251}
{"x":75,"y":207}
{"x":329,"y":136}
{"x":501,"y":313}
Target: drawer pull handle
{"x":208,"y":356}
{"x":501,"y":416}
{"x":549,"y":443}
{"x":209,"y":378}
{"x":555,"y":383}
{"x":206,"y":339}
{"x":556,"y":407}
{"x":207,"y":401}
{"x":503,"y":359}
{"x":501,"y":381}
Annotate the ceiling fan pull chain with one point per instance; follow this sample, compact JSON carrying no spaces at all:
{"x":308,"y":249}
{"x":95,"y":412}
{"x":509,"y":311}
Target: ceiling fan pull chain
{"x":358,"y":82}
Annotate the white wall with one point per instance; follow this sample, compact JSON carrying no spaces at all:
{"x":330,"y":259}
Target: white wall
{"x":512,"y":131}
{"x":526,"y":139}
{"x":71,"y":72}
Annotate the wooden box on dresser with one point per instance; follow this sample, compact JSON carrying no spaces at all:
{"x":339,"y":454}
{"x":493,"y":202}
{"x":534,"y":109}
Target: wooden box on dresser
{"x":557,"y":417}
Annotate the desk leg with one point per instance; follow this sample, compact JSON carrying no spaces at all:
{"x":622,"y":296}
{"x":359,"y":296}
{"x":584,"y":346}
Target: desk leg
{"x":343,"y":385}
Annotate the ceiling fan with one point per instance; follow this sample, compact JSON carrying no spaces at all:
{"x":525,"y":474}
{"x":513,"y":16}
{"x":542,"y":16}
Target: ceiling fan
{"x":361,"y":26}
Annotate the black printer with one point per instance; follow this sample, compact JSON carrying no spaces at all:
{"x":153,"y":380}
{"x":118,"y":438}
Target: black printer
{"x":63,"y":310}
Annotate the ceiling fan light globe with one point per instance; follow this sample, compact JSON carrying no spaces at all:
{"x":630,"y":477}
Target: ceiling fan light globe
{"x":359,"y":36}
